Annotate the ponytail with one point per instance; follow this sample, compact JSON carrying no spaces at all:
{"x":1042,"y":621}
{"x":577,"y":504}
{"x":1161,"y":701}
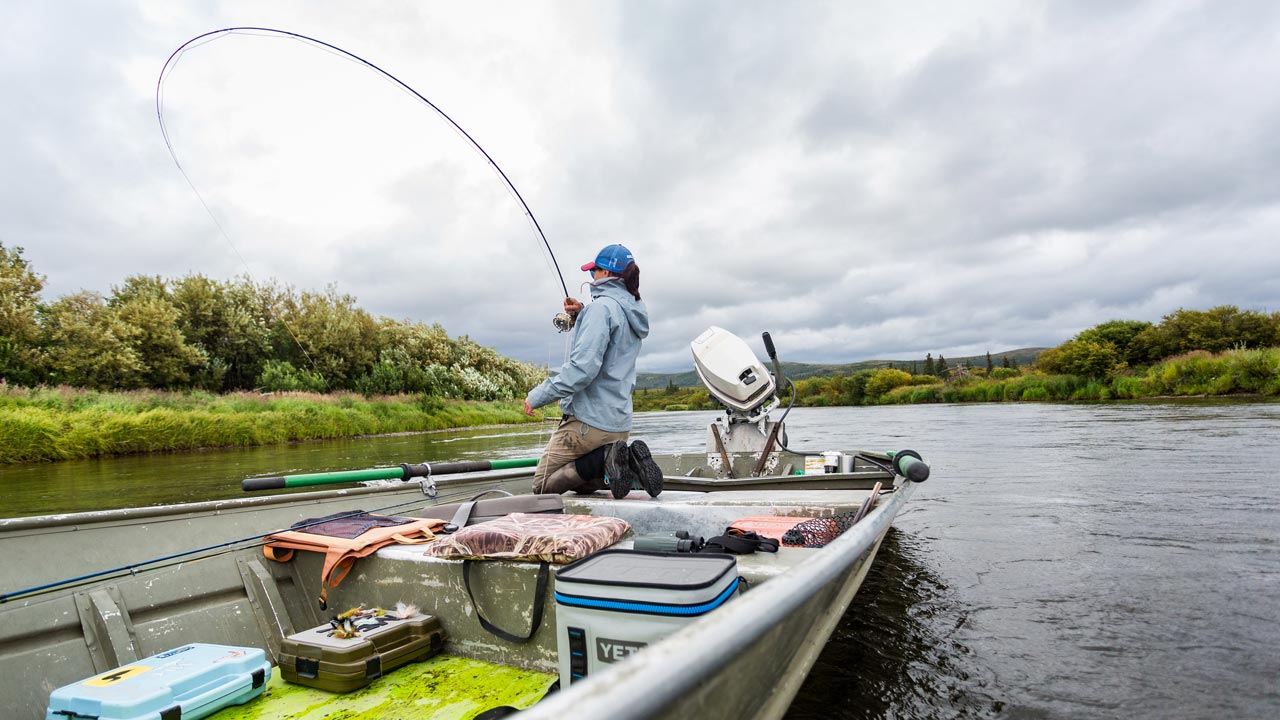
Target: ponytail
{"x":631,"y":279}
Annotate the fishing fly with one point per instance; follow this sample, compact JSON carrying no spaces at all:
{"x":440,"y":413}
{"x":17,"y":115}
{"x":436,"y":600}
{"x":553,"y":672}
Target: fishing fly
{"x":562,"y":321}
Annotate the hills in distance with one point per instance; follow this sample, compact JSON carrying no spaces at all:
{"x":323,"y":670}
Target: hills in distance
{"x":800,"y":371}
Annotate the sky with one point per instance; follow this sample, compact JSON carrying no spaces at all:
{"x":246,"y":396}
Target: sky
{"x":869,"y":180}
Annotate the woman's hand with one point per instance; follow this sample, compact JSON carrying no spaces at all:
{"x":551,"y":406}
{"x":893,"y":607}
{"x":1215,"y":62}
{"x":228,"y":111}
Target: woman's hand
{"x":528,"y":409}
{"x":572,"y":306}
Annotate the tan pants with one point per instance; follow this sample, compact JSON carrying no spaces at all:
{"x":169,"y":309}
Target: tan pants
{"x":570,"y":441}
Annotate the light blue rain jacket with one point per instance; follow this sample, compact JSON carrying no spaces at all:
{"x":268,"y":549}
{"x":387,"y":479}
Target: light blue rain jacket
{"x":595,"y":384}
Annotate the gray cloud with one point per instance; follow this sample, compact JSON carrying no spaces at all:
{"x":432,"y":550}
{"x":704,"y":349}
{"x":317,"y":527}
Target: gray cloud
{"x":862,"y":180}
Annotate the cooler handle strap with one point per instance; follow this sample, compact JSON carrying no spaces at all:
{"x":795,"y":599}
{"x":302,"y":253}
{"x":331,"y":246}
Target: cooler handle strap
{"x":539,"y":601}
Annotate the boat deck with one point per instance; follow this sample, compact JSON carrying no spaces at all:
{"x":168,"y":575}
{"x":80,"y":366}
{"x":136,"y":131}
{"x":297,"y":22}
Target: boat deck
{"x":445,"y":686}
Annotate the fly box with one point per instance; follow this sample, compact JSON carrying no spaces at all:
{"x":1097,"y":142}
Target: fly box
{"x":612,"y":603}
{"x":188,"y":682}
{"x":318,"y":659}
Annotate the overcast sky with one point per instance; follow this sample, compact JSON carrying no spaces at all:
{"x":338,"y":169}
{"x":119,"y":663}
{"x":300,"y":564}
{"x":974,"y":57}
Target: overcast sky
{"x":864,"y":180}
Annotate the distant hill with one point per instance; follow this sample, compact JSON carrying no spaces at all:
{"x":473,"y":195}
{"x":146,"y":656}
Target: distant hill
{"x":800,"y":371}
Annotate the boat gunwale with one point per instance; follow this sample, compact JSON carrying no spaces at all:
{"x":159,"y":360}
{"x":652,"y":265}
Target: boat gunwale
{"x":215,"y":507}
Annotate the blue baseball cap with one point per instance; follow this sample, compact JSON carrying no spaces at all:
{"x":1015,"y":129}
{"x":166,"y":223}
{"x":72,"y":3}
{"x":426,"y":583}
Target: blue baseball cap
{"x":613,"y":258}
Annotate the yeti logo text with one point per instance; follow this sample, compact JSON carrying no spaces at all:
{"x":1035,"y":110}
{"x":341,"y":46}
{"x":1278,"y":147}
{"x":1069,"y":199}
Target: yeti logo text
{"x":612,"y":651}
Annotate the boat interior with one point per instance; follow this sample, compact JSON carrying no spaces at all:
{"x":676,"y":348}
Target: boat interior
{"x":236,"y":596}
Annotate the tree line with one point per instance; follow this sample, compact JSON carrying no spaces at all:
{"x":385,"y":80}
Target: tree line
{"x":1115,"y":351}
{"x":1117,"y":347}
{"x":195,"y":332}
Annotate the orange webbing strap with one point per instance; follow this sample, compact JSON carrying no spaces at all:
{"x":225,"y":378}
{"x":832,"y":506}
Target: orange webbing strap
{"x":340,"y":553}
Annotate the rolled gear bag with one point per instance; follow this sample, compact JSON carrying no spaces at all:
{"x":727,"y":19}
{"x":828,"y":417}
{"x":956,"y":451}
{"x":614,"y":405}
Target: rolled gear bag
{"x":192,"y":681}
{"x":316,"y":658}
{"x":542,"y":538}
{"x":344,"y":538}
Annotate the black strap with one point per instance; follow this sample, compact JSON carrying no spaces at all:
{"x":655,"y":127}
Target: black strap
{"x":539,"y":600}
{"x":461,"y":516}
{"x":743,"y":543}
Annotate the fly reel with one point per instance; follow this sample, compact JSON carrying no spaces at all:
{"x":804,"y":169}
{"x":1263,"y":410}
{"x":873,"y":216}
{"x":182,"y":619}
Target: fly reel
{"x":563,"y":322}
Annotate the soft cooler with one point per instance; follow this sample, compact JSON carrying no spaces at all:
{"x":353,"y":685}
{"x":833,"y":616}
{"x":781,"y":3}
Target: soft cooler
{"x":188,"y":682}
{"x":615,"y":602}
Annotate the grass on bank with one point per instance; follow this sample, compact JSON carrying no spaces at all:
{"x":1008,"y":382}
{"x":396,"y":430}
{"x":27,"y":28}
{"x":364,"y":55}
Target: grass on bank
{"x":62,"y":423}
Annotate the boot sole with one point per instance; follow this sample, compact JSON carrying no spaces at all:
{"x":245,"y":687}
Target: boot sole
{"x":648,"y":470}
{"x":617,"y":465}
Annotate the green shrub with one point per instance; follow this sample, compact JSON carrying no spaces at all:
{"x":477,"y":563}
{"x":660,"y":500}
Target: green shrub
{"x":282,"y":376}
{"x":885,"y":380}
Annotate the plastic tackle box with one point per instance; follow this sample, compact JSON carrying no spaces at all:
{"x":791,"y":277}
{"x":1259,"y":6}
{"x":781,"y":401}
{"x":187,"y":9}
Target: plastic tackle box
{"x":188,"y":682}
{"x":317,"y":659}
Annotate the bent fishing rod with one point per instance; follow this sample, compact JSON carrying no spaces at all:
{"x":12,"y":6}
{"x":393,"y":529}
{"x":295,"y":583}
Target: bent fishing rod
{"x":563,"y":322}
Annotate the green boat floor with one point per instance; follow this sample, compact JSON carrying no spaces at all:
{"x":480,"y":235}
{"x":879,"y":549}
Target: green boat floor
{"x":444,"y":687}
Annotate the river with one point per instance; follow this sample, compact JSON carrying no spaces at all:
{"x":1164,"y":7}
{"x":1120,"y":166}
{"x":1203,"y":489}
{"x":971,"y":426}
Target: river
{"x":1064,"y":561}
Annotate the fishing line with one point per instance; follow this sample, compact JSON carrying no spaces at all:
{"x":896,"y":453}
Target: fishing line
{"x":212,"y":35}
{"x":222,"y":548}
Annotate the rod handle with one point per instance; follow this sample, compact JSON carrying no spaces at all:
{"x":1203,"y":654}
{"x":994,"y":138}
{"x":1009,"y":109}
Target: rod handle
{"x":910,"y":465}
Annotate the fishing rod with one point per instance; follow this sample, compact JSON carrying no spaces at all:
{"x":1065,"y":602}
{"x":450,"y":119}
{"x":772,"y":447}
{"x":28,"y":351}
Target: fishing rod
{"x":562,"y":321}
{"x":222,"y":548}
{"x":404,"y":471}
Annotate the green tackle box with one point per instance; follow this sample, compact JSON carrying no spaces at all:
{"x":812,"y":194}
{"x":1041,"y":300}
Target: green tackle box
{"x":316,"y":658}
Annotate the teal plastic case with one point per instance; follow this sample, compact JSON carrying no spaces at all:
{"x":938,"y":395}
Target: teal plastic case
{"x":188,"y":682}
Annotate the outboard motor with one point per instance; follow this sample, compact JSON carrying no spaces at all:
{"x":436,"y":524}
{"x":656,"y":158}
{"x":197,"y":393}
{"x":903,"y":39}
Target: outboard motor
{"x":733,"y":375}
{"x":736,"y":379}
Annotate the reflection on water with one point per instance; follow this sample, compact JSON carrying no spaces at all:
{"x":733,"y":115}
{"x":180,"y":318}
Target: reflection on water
{"x":140,"y":480}
{"x":896,"y":653}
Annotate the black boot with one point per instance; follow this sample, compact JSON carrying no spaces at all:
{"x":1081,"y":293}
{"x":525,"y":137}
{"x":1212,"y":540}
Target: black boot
{"x":645,"y":469}
{"x":617,"y":469}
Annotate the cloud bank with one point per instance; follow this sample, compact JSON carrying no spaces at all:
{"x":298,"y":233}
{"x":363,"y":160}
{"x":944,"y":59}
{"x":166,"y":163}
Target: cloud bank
{"x":863,"y":180}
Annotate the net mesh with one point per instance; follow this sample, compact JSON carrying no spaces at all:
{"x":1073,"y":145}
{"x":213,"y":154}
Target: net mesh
{"x":818,"y":532}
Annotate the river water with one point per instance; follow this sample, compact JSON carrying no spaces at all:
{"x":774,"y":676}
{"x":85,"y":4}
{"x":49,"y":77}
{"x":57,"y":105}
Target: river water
{"x":1064,"y":561}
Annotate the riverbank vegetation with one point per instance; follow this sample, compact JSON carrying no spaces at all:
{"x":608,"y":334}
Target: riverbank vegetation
{"x":178,"y":364}
{"x":1222,"y":351}
{"x":61,"y":423}
{"x":195,"y":333}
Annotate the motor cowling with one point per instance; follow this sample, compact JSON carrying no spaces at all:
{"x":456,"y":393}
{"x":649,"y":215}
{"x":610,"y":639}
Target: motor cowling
{"x":731,"y":372}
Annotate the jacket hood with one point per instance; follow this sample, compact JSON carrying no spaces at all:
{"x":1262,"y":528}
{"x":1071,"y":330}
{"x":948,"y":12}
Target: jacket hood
{"x":634,"y":310}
